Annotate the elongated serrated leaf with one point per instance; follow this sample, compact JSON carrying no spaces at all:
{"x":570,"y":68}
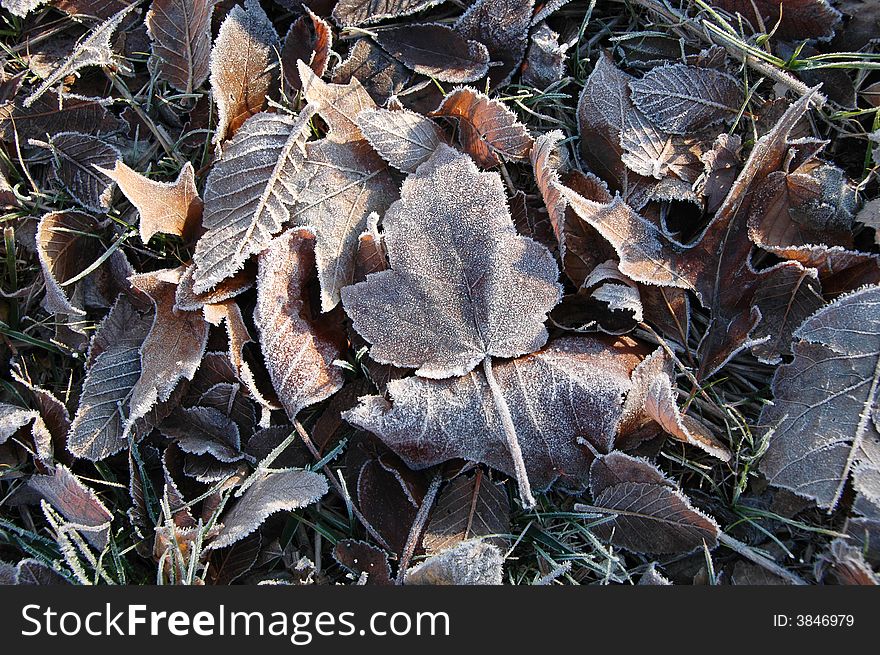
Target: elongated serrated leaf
{"x":471,"y":562}
{"x":822,"y":426}
{"x":241,"y":62}
{"x":571,"y":391}
{"x":241,"y":214}
{"x":469,"y":507}
{"x":437,"y":51}
{"x":680,"y":99}
{"x":76,"y":162}
{"x":180,"y":31}
{"x":488,"y":131}
{"x":503,"y":27}
{"x":94,"y":50}
{"x":276,"y":491}
{"x":299,"y":348}
{"x":348,"y":13}
{"x":448,"y":300}
{"x":403,"y":138}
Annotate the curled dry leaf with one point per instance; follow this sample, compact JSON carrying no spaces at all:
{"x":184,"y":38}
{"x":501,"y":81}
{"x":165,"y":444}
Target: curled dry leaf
{"x":75,"y":502}
{"x":240,"y":220}
{"x":503,"y":27}
{"x":436,"y":51}
{"x":403,"y":138}
{"x":472,"y":562}
{"x":571,"y":392}
{"x":822,"y":425}
{"x":94,"y":50}
{"x":545,"y":58}
{"x":488,"y":131}
{"x":12,"y":418}
{"x":166,"y":207}
{"x":309,"y":39}
{"x":348,"y":13}
{"x":77,"y":160}
{"x":64,"y":253}
{"x":180,"y":32}
{"x":241,"y":66}
{"x":681,"y":99}
{"x":201,"y":430}
{"x":298,"y":348}
{"x":276,"y":491}
{"x":187,"y":300}
{"x":648,"y":514}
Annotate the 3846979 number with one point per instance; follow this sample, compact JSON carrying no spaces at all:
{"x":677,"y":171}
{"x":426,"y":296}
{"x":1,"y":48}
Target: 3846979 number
{"x":814,"y":621}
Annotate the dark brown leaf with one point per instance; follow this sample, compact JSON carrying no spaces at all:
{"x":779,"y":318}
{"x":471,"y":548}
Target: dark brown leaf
{"x":180,"y":31}
{"x":436,"y":51}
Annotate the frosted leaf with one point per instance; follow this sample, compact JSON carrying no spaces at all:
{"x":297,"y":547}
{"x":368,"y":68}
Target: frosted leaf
{"x":844,"y":564}
{"x":75,"y":502}
{"x":338,"y":104}
{"x":652,"y":577}
{"x":241,"y":66}
{"x":93,"y":50}
{"x":201,"y":430}
{"x":570,"y":392}
{"x":681,"y":99}
{"x":180,"y":31}
{"x":13,"y":418}
{"x":348,"y":13}
{"x":166,"y":207}
{"x":298,"y":346}
{"x":545,"y":58}
{"x":469,"y":507}
{"x":76,"y":162}
{"x":463,"y":285}
{"x":229,"y":398}
{"x":309,"y":39}
{"x":503,"y":27}
{"x":240,"y":219}
{"x":188,"y":300}
{"x":403,"y":138}
{"x":359,"y":557}
{"x":652,"y":153}
{"x":99,"y":9}
{"x":173,"y":349}
{"x":620,"y":295}
{"x":471,"y":562}
{"x":436,"y":51}
{"x":276,"y":491}
{"x":52,"y":423}
{"x":21,"y":8}
{"x":380,"y":74}
{"x":648,"y":514}
{"x":51,"y":115}
{"x":799,"y":19}
{"x":34,"y":572}
{"x":488,"y":131}
{"x":346,"y":182}
{"x":822,"y":424}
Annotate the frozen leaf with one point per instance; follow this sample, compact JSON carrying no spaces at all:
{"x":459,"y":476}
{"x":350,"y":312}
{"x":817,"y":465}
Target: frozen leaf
{"x":76,"y":503}
{"x":547,"y":160}
{"x":93,"y":50}
{"x":469,"y":507}
{"x":52,"y":115}
{"x":570,"y":392}
{"x":241,"y":66}
{"x":648,"y":514}
{"x":299,"y":347}
{"x":822,"y":423}
{"x":681,"y":99}
{"x":403,"y":138}
{"x":748,"y":574}
{"x":180,"y":31}
{"x":229,"y":398}
{"x":338,"y":104}
{"x":173,"y":348}
{"x":98,"y":426}
{"x":471,"y":562}
{"x":21,"y":8}
{"x":76,"y":162}
{"x":436,"y":51}
{"x":240,"y":219}
{"x":488,"y":131}
{"x":797,"y":19}
{"x":619,"y":295}
{"x":493,"y":290}
{"x":200,"y":430}
{"x":651,"y":153}
{"x":33,"y":572}
{"x":348,"y":13}
{"x":845,"y":564}
{"x":381,"y":75}
{"x":359,"y":557}
{"x":166,"y":207}
{"x":12,"y":418}
{"x":100,"y":9}
{"x":309,"y":39}
{"x":545,"y":58}
{"x":65,"y":249}
{"x":187,"y":300}
{"x":503,"y":27}
{"x":229,"y":564}
{"x":346,"y":182}
{"x":275,"y":491}
{"x":53,"y":413}
{"x":653,"y":577}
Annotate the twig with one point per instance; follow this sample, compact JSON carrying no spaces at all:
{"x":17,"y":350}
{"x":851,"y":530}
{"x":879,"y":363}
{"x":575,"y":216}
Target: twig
{"x":418,"y":525}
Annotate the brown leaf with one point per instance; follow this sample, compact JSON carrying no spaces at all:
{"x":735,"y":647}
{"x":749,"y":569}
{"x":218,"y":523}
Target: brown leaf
{"x":180,"y":31}
{"x":299,"y":350}
{"x":488,"y":131}
{"x":338,"y":104}
{"x":403,"y":138}
{"x":309,"y":39}
{"x":362,"y":12}
{"x":241,"y":66}
{"x":797,"y":20}
{"x":200,"y":430}
{"x":471,"y":562}
{"x":362,"y":558}
{"x":187,"y":300}
{"x":166,"y":207}
{"x":75,"y":158}
{"x":437,"y":51}
{"x":545,"y":58}
{"x":503,"y":27}
{"x":52,"y":115}
{"x":381,"y":75}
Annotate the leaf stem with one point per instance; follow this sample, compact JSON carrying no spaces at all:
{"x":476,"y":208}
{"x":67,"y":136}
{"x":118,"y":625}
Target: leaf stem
{"x":519,"y":465}
{"x":418,"y":526}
